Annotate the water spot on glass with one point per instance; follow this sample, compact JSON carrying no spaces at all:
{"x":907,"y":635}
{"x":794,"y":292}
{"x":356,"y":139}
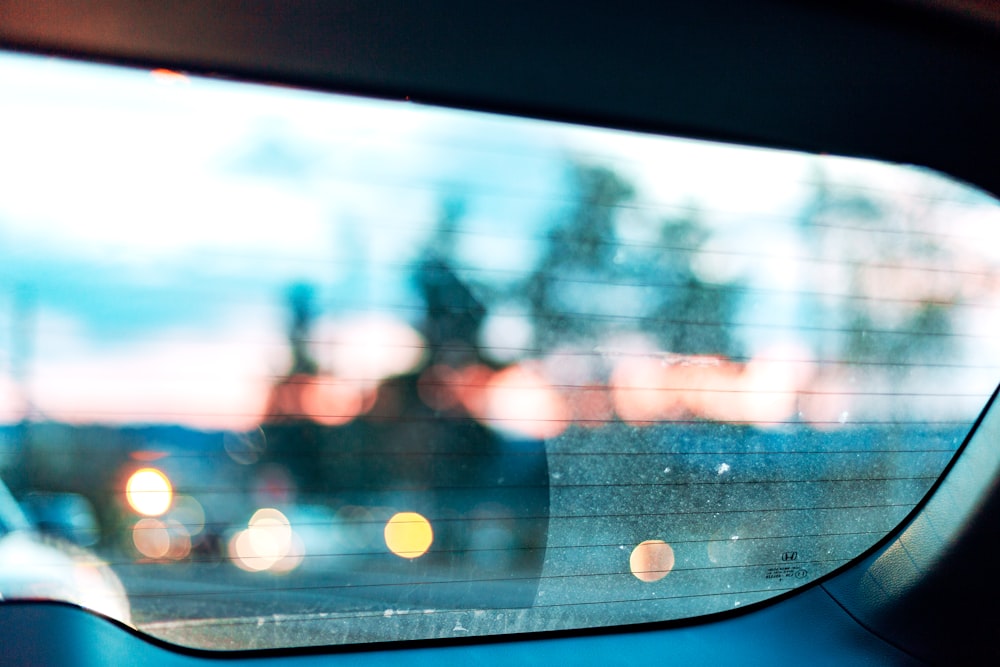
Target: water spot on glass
{"x":245,"y":448}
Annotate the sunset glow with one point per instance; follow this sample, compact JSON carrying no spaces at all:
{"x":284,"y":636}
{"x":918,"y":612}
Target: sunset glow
{"x":764,"y":391}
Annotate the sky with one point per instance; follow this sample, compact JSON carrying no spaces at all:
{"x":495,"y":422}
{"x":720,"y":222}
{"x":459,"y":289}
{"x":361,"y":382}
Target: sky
{"x":150,"y":224}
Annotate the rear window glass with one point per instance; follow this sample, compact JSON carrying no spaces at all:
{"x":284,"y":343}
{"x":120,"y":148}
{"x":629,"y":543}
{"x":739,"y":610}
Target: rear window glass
{"x":331,"y":370}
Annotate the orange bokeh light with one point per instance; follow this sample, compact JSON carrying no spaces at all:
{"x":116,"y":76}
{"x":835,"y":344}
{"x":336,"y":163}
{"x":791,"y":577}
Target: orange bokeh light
{"x":332,"y":403}
{"x":591,"y":405}
{"x":151,"y":538}
{"x":763,"y":392}
{"x":323,"y":399}
{"x":651,"y":560}
{"x":520,"y":400}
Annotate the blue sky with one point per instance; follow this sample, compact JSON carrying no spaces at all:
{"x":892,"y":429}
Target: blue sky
{"x":143,"y":210}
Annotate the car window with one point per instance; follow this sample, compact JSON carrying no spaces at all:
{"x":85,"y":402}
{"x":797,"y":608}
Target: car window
{"x":334,"y":370}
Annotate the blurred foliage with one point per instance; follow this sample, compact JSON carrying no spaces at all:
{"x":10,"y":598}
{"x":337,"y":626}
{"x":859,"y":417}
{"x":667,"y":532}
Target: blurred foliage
{"x":640,"y":287}
{"x":898,"y":307}
{"x":302,"y":312}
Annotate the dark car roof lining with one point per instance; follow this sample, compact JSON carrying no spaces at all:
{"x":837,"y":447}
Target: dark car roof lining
{"x":855,"y":78}
{"x":914,"y":81}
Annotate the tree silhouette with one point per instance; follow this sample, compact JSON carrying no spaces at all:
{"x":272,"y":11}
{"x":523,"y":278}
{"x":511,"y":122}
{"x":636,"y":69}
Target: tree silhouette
{"x":587,"y":266}
{"x":301,"y":306}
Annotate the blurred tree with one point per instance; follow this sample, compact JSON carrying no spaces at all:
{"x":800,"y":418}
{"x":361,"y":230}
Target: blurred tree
{"x":580,"y":249}
{"x":590,"y":282}
{"x":866,"y":247}
{"x":693,"y":316}
{"x":302,"y":308}
{"x":293,"y":438}
{"x":453,"y":315}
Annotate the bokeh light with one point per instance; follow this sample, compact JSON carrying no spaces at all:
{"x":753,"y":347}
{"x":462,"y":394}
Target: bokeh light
{"x":189,"y":513}
{"x":267,"y":544}
{"x":408,"y":534}
{"x":372,"y":346}
{"x":149,"y":492}
{"x":521,"y":401}
{"x":651,"y":560}
{"x":639,"y":391}
{"x":161,"y":540}
{"x":270,"y":533}
{"x":180,"y":540}
{"x":292,"y":558}
{"x":245,"y":448}
{"x":332,"y":402}
{"x":591,"y":406}
{"x":771,"y":384}
{"x":662,"y":387}
{"x":471,"y":387}
{"x":151,"y":538}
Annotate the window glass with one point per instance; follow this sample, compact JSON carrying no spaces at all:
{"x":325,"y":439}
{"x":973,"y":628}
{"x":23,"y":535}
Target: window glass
{"x":333,"y":370}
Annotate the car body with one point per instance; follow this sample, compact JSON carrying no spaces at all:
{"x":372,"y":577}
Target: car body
{"x":34,"y":566}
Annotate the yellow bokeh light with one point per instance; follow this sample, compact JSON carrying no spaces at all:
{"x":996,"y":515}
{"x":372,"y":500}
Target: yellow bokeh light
{"x":149,"y":492}
{"x":651,"y":560}
{"x":408,"y":535}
